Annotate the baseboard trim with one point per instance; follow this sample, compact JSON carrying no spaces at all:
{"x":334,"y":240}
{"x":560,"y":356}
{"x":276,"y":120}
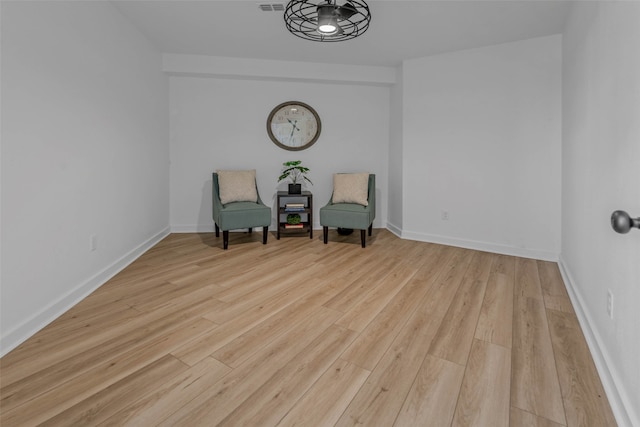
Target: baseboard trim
{"x":619,"y":400}
{"x":479,"y":246}
{"x":39,"y":320}
{"x":420,"y":237}
{"x":394,"y":229}
{"x":192,"y":228}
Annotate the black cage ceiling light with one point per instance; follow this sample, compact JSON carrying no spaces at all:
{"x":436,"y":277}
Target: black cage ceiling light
{"x":326,"y":20}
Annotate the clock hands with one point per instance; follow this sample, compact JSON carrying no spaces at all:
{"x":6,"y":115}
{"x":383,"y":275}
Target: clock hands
{"x":293,"y":129}
{"x":293,"y":123}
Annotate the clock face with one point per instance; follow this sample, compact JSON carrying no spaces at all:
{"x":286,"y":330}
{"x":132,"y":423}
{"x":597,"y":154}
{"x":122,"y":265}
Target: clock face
{"x":293,"y":125}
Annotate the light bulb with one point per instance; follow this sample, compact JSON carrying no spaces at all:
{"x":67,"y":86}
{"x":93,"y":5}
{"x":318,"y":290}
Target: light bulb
{"x":327,"y":28}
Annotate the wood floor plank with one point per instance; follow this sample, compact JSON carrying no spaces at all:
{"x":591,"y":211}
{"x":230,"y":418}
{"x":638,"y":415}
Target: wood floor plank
{"x":535,"y":386}
{"x":221,"y":399}
{"x":504,"y":264}
{"x":339,"y":259}
{"x":54,"y":401}
{"x":182,"y":296}
{"x":268,"y":404}
{"x":140,"y":271}
{"x":194,"y":351}
{"x":110,"y":400}
{"x":62,"y":343}
{"x":433,"y":395}
{"x":383,"y":290}
{"x":199,"y":348}
{"x":131,"y":336}
{"x":518,"y":418}
{"x":340,"y":276}
{"x":138,"y":351}
{"x":273,"y":288}
{"x":554,"y":292}
{"x":218,"y":274}
{"x":67,"y":328}
{"x":134,"y":284}
{"x":327,"y":399}
{"x":382,"y":396}
{"x":362,"y":285}
{"x":585,"y":402}
{"x":243,"y":347}
{"x":496,"y":315}
{"x":153,"y":407}
{"x":247,"y":283}
{"x":367,"y":350}
{"x":488,"y":374}
{"x":455,"y":335}
{"x":527,"y":279}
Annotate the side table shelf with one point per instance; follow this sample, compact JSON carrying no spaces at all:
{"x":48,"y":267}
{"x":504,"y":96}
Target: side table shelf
{"x":301,"y":204}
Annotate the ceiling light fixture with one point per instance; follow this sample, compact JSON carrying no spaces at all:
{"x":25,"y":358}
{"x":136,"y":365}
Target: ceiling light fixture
{"x":326,"y":21}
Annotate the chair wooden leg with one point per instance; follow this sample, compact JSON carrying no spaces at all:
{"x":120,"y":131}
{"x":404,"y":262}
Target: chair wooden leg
{"x":265,"y":233}
{"x":325,"y":234}
{"x":363,"y":238}
{"x":225,"y":239}
{"x":217,"y":230}
{"x":370,"y":229}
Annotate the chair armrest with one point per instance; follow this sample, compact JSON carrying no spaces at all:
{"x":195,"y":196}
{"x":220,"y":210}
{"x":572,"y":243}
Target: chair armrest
{"x":371,"y":197}
{"x":217,"y":204}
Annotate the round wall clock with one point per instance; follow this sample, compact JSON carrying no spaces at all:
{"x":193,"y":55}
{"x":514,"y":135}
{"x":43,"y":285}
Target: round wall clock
{"x":293,"y":125}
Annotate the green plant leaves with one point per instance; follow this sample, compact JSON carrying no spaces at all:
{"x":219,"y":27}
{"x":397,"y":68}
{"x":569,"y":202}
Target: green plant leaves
{"x":294,"y":170}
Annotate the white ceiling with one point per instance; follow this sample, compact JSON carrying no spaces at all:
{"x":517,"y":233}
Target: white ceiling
{"x":399,"y":29}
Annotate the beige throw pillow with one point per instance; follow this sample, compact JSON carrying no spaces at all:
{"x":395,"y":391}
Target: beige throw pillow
{"x":237,"y":186}
{"x":351,"y":188}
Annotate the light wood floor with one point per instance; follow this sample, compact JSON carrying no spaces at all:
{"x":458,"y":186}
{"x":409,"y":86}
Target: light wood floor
{"x":296,"y":332}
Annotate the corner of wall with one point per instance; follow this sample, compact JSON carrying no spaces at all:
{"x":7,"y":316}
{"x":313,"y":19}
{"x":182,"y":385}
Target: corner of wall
{"x":41,"y":319}
{"x":618,"y":398}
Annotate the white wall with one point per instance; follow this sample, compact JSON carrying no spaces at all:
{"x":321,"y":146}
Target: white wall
{"x":395,"y":196}
{"x":482,"y":142}
{"x":601,"y":174}
{"x":84,"y":151}
{"x":220,"y":123}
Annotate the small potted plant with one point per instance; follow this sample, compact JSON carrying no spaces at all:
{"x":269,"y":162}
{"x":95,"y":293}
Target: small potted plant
{"x":296,"y":173}
{"x":294,"y":219}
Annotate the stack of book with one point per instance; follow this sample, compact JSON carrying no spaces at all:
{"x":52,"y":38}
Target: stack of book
{"x":294,"y":207}
{"x":300,"y":225}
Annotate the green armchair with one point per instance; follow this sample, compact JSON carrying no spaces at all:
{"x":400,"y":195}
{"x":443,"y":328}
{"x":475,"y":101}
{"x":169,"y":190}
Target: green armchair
{"x":239,"y":214}
{"x":350,"y":215}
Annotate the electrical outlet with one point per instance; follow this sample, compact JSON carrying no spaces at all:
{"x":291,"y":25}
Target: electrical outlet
{"x":445,"y":215}
{"x":610,"y":303}
{"x":93,"y":242}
